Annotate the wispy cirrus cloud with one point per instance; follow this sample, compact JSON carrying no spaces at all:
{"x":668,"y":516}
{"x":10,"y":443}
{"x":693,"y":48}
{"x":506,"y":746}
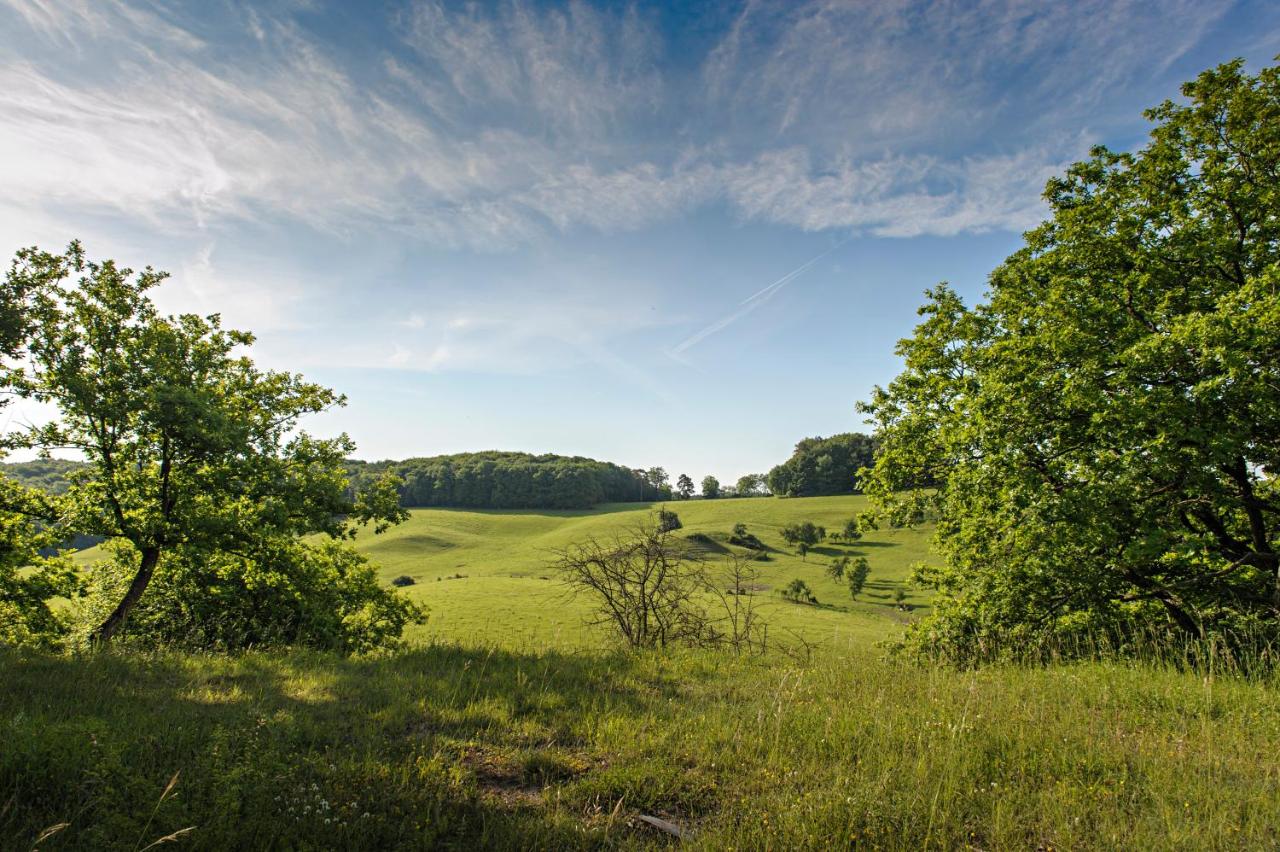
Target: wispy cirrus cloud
{"x":495,"y":126}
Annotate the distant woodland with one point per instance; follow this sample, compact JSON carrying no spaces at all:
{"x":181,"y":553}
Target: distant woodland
{"x":512,"y":480}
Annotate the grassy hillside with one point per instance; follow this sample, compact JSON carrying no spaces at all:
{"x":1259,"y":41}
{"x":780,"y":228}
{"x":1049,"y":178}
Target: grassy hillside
{"x":507,"y":593}
{"x":511,"y":726}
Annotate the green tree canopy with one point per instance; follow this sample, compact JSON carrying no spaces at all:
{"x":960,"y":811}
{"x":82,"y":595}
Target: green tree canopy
{"x":496,"y":479}
{"x":29,"y":519}
{"x":751,"y":485}
{"x":684,"y":487}
{"x":710,"y":487}
{"x":1104,"y":430}
{"x":191,"y":447}
{"x":823,"y":466}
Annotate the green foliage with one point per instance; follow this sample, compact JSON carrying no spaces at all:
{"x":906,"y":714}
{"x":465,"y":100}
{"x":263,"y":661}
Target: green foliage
{"x":29,"y":579}
{"x":668,"y":521}
{"x":323,"y":595}
{"x":710,"y":487}
{"x":798,"y":591}
{"x":752,"y":485}
{"x":805,"y":533}
{"x":837,"y":567}
{"x":851,"y":530}
{"x":30,"y":571}
{"x":823,"y":466}
{"x":684,"y":487}
{"x":508,"y":480}
{"x":856,"y":576}
{"x":1104,"y":431}
{"x":742,"y":538}
{"x":190,"y":447}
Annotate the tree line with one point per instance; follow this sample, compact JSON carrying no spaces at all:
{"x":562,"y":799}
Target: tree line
{"x":513,"y":480}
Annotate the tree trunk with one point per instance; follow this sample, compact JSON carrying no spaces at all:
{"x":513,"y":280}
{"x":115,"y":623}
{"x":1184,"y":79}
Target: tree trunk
{"x":117,"y":618}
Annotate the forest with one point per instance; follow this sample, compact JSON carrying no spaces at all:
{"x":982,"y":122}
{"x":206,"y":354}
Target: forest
{"x":513,"y":480}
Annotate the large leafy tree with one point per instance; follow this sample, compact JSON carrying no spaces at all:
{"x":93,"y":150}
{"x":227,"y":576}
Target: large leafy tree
{"x":191,"y":447}
{"x":1104,"y":430}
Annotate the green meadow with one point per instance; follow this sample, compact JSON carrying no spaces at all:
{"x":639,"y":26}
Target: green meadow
{"x":508,"y":724}
{"x":507,"y":594}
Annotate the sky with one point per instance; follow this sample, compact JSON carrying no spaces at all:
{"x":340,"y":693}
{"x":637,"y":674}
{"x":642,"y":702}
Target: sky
{"x":685,"y":235}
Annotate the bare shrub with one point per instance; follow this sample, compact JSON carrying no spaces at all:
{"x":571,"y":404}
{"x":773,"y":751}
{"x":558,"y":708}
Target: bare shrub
{"x":655,"y":590}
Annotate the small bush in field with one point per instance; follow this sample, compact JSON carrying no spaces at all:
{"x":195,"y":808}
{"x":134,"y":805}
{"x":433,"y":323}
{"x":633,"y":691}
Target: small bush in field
{"x":798,"y":591}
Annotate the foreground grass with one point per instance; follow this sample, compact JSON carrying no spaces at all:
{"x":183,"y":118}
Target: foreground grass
{"x":446,"y":746}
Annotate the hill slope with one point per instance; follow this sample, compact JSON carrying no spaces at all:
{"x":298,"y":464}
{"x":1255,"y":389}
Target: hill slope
{"x":507,"y":594}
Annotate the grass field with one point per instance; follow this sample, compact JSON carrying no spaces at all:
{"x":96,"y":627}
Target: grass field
{"x":508,"y":594}
{"x":511,"y":726}
{"x":455,"y":747}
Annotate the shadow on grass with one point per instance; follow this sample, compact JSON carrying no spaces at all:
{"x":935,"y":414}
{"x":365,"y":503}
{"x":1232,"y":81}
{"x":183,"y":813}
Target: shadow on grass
{"x":304,"y":750}
{"x":853,"y":548}
{"x":602,"y":509}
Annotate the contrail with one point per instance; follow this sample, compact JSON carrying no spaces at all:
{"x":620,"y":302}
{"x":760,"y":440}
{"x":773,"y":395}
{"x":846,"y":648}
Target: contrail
{"x":752,"y":302}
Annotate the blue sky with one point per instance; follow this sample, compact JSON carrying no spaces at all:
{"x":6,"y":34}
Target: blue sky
{"x":574,"y":227}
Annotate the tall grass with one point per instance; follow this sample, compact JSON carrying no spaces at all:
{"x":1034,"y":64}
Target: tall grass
{"x":475,"y":747}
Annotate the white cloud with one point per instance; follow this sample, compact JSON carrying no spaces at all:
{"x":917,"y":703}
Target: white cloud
{"x":497,"y":125}
{"x":269,"y":301}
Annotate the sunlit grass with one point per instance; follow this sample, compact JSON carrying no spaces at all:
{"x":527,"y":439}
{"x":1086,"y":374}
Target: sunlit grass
{"x":510,"y":725}
{"x":508,"y":593}
{"x":535,"y":748}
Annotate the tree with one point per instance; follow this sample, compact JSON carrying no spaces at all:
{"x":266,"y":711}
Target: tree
{"x":1104,"y":430}
{"x":191,"y":448}
{"x":710,"y":487}
{"x":644,"y":583}
{"x":668,"y":521}
{"x":654,"y":590}
{"x":838,"y":567}
{"x":742,"y":538}
{"x":823,"y":466}
{"x":851,"y":531}
{"x":684,"y":486}
{"x":798,"y":591}
{"x":805,"y":535}
{"x":657,"y":478}
{"x":856,"y":576}
{"x":751,"y":485}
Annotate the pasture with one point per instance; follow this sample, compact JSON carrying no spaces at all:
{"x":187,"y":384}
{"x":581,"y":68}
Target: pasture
{"x":508,"y":594}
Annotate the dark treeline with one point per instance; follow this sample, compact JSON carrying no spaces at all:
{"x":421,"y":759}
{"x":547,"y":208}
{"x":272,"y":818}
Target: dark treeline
{"x":491,"y":479}
{"x":49,"y":475}
{"x":52,"y":476}
{"x":823,"y":466}
{"x":510,"y":480}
